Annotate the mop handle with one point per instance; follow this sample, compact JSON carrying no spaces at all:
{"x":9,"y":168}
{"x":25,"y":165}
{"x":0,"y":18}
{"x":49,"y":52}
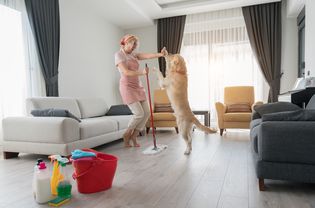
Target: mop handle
{"x":150,"y":104}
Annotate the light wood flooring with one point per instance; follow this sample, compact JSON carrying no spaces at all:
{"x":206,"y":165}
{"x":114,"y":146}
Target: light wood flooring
{"x":218,"y":173}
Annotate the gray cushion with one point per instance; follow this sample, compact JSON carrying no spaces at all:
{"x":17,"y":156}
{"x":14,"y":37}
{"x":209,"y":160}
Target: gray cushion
{"x":282,"y":141}
{"x":299,"y":115}
{"x":51,"y":112}
{"x":41,"y":103}
{"x":275,"y":107}
{"x":116,"y":110}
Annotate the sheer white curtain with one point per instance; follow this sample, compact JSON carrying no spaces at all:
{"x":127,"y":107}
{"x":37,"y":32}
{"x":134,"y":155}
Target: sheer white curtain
{"x":20,"y":74}
{"x":218,"y":54}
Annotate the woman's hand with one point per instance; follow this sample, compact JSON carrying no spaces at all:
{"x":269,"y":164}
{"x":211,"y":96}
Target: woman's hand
{"x":146,"y":70}
{"x":164,"y":52}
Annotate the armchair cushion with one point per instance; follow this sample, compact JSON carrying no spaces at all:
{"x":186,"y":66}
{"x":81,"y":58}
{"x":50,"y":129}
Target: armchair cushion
{"x":237,"y":117}
{"x":163,"y":107}
{"x":238,"y":107}
{"x":275,"y":107}
{"x":299,"y":115}
{"x":164,"y":117}
{"x":51,"y":112}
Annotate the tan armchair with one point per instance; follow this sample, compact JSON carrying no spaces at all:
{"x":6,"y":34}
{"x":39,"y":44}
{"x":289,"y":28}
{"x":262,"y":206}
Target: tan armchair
{"x":236,"y":110}
{"x":163,"y":114}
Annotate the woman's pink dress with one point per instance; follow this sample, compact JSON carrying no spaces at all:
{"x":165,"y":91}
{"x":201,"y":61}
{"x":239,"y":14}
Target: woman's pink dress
{"x":130,"y":87}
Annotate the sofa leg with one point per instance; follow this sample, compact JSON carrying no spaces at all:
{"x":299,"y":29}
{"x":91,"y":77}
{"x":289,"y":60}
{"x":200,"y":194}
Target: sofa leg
{"x":261,"y":184}
{"x":8,"y":155}
{"x":221,"y":132}
{"x":176,"y":129}
{"x":148,"y":129}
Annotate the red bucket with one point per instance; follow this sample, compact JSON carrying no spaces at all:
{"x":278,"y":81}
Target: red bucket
{"x":94,"y":174}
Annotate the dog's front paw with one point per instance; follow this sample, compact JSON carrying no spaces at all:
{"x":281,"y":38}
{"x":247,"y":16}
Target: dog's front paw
{"x":187,"y":152}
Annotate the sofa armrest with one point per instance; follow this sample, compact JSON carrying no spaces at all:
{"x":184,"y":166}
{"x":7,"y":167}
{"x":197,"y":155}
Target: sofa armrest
{"x":221,"y":110}
{"x":58,"y":130}
{"x":287,"y":141}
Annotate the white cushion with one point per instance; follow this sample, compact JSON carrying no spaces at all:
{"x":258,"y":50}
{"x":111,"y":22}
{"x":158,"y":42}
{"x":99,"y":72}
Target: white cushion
{"x":69,"y":104}
{"x":91,"y":127}
{"x":92,"y":107}
{"x":122,"y":120}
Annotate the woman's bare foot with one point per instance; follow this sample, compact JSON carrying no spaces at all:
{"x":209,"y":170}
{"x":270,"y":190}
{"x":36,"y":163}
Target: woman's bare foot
{"x":134,"y":138}
{"x":127,"y":136}
{"x":134,"y":141}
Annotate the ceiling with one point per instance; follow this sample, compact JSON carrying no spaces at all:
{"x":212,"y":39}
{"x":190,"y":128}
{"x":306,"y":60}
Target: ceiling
{"x":140,"y":13}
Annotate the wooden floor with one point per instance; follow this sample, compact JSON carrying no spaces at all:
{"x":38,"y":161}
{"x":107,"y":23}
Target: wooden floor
{"x":218,"y":173}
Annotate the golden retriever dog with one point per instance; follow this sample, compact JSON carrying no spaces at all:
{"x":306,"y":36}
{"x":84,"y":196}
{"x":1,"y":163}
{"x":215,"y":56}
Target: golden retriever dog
{"x":175,"y":83}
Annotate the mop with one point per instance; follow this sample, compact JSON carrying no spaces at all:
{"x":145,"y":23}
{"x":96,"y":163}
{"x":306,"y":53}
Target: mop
{"x":156,"y":148}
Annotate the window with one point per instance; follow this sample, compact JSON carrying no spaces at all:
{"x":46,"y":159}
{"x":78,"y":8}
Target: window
{"x":218,"y":54}
{"x":12,"y":63}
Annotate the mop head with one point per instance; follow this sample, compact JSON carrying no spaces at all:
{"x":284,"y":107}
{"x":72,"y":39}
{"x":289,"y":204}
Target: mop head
{"x":151,"y":150}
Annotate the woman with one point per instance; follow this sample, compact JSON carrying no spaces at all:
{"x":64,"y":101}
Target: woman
{"x":131,"y":89}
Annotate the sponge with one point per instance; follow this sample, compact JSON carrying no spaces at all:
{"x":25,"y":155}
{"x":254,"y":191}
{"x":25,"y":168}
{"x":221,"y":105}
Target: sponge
{"x":58,"y":201}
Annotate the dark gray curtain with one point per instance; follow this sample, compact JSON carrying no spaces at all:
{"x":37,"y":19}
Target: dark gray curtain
{"x":263,"y":24}
{"x":170,"y":34}
{"x":45,"y":23}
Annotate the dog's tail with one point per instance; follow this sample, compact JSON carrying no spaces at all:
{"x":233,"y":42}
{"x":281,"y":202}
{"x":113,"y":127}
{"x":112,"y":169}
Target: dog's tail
{"x":202,"y":127}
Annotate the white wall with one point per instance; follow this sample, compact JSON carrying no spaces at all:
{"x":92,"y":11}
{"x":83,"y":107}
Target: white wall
{"x":289,"y":51}
{"x":309,"y":38}
{"x":148,"y":44}
{"x":87,"y":47}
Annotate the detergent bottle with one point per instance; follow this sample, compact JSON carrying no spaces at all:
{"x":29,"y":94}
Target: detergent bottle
{"x":39,"y":160}
{"x":41,"y":189}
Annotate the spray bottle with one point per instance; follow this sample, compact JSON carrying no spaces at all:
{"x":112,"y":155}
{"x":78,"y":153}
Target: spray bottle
{"x":60,"y":184}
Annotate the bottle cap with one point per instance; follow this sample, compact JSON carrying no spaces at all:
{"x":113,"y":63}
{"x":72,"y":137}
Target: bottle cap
{"x":39,"y":160}
{"x":42,"y":165}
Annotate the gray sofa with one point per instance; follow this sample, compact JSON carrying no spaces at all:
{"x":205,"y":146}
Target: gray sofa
{"x":283,"y":143}
{"x":61,"y":135}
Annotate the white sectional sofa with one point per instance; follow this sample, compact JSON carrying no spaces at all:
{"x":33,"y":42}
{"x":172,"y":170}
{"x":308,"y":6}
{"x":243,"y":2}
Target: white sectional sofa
{"x":61,"y":135}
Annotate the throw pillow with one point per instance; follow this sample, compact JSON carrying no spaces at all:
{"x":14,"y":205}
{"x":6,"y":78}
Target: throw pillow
{"x":117,"y":110}
{"x":275,"y":107}
{"x":163,"y":107}
{"x":299,"y":115}
{"x":238,"y":107}
{"x":51,"y":112}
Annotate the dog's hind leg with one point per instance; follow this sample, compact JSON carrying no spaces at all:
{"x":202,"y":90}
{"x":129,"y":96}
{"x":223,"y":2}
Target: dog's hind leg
{"x":189,"y":129}
{"x":186,"y":134}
